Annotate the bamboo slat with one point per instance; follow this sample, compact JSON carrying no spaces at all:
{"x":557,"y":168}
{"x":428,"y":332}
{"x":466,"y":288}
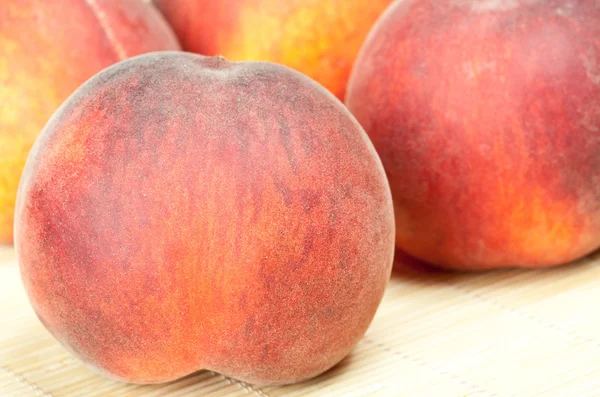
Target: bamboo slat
{"x":512,"y":333}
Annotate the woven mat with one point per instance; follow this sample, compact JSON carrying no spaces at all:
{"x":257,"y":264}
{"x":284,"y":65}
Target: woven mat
{"x":507,"y":333}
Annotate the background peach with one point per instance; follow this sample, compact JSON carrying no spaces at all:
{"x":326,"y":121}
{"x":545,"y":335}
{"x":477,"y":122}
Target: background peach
{"x":319,"y":38}
{"x":486,"y":115}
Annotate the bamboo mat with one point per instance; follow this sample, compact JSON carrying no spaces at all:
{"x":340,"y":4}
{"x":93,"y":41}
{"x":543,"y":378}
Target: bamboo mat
{"x":507,"y":333}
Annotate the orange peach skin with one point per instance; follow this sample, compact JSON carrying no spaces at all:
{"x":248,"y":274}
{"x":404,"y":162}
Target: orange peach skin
{"x":319,"y":38}
{"x":49,"y":48}
{"x":181,"y":212}
{"x":486,"y":115}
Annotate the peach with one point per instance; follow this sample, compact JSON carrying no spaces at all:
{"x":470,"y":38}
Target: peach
{"x":182,"y":212}
{"x":48,"y":49}
{"x":318,"y":38}
{"x":486,"y":115}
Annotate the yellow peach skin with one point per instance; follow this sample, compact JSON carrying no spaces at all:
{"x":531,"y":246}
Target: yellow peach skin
{"x":318,"y":38}
{"x":48,"y":49}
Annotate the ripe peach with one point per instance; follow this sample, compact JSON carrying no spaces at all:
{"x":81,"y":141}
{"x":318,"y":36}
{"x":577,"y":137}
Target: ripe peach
{"x":182,"y":212}
{"x":318,"y":38}
{"x":486,"y":115}
{"x":49,"y":48}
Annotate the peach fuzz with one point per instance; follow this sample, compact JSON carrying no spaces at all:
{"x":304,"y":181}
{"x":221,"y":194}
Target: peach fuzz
{"x":182,"y":212}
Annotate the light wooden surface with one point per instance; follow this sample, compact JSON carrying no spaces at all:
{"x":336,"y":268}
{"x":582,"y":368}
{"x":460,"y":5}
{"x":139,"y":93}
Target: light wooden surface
{"x":509,"y":333}
{"x":6,"y":254}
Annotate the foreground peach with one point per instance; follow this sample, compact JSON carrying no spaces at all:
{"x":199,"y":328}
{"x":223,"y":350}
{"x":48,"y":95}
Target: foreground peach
{"x":486,"y":115}
{"x":318,"y":38}
{"x":48,"y":49}
{"x":182,"y":212}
